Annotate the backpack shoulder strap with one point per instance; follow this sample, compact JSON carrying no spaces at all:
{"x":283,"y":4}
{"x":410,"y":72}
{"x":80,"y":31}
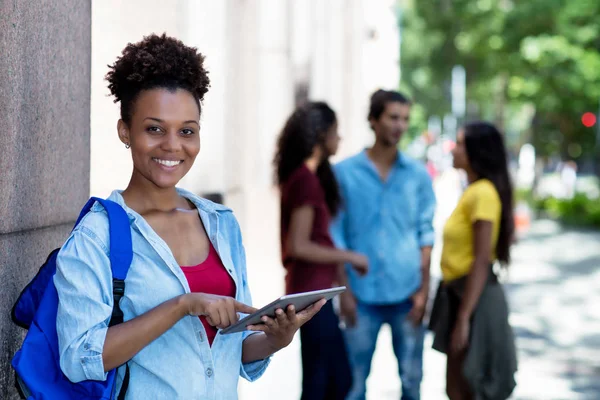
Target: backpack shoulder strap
{"x":121,"y":252}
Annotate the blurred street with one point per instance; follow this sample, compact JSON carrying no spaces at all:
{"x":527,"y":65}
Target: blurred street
{"x":552,"y":285}
{"x":553,"y":289}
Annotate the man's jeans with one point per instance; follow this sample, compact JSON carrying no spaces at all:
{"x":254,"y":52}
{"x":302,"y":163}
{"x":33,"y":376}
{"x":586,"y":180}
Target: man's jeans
{"x":407,"y":342}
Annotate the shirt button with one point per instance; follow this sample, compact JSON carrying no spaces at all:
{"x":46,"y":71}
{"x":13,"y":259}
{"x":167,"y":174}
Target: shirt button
{"x":201,"y":336}
{"x":209,"y":372}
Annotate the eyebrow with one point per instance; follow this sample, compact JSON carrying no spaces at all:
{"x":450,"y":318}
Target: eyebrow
{"x":190,"y":121}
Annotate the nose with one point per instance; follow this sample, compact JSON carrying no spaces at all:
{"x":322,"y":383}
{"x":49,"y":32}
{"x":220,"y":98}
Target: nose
{"x":402,"y":125}
{"x":171,"y":142}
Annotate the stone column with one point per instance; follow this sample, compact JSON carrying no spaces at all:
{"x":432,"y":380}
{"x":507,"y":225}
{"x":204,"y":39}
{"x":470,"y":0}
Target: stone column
{"x":45,"y":50}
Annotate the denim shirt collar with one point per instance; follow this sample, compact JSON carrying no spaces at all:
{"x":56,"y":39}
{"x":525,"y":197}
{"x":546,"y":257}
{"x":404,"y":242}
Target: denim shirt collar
{"x":203,"y":206}
{"x":400,"y":159}
{"x":209,"y":213}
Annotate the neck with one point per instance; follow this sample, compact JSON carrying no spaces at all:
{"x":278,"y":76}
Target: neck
{"x":143,"y":196}
{"x":383,"y":154}
{"x":313,"y":162}
{"x":471,"y":176}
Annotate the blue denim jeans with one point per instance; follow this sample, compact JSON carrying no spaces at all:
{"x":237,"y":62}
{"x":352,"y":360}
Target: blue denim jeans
{"x":407,"y":342}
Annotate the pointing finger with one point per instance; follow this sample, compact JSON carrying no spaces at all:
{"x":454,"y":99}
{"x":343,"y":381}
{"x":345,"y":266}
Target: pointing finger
{"x":244,"y":308}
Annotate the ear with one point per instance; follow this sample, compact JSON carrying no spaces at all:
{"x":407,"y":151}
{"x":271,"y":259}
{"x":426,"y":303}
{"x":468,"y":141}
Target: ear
{"x":372,"y":122}
{"x":123,"y":131}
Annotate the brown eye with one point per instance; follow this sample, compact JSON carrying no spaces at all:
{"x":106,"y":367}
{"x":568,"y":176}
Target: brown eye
{"x":187,"y":132}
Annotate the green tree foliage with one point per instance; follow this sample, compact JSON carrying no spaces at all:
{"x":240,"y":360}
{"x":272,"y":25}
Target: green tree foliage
{"x":541,"y":55}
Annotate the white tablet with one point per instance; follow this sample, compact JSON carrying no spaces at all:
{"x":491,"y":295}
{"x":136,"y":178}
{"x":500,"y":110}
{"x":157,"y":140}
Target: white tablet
{"x":300,"y":301}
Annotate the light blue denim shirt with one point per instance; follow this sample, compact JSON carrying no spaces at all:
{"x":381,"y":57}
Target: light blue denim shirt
{"x":179,"y":364}
{"x":388,"y":221}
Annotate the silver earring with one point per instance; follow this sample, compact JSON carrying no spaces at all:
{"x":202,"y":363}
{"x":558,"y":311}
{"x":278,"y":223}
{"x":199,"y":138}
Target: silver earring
{"x":127,"y":145}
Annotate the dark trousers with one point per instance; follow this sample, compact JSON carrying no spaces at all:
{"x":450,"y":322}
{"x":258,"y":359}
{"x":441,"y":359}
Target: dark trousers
{"x":326,"y":373}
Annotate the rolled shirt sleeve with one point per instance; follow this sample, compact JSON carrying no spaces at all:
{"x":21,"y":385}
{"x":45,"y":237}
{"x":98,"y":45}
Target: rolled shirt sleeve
{"x":253,"y":370}
{"x":337,"y":228}
{"x":427,"y":205}
{"x":84,"y":286}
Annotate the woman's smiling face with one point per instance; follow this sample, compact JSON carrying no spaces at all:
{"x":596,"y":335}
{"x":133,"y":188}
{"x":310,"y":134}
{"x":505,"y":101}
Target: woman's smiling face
{"x":164,"y":135}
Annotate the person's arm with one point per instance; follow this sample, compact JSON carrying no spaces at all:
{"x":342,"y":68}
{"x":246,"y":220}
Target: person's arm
{"x":338,"y":225}
{"x":256,"y":347}
{"x":88,"y":348}
{"x":339,"y":234}
{"x":480,"y":269}
{"x":426,"y":236}
{"x":476,"y":281}
{"x":299,"y":244}
{"x":485,"y":208}
{"x":348,"y":306}
{"x":341,"y":278}
{"x":125,"y":340}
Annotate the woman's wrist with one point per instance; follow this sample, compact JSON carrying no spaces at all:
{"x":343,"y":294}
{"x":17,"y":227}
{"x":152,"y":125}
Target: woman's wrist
{"x":349,"y":256}
{"x":182,"y":305}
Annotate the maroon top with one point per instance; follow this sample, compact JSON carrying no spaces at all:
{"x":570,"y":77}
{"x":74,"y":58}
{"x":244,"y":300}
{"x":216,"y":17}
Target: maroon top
{"x":210,"y":277}
{"x":304,"y":188}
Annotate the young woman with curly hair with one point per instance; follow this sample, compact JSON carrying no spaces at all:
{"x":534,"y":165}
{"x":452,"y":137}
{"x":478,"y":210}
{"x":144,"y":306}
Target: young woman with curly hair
{"x":188,"y":257}
{"x":309,"y":197}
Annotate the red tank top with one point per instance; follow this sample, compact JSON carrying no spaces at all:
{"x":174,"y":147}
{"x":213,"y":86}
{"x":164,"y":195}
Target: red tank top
{"x":210,"y":277}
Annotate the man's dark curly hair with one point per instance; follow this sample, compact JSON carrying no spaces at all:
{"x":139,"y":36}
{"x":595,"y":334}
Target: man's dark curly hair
{"x":156,"y":62}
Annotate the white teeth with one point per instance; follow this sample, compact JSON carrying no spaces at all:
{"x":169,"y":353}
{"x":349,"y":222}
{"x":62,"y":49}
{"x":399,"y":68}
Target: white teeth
{"x":167,"y":163}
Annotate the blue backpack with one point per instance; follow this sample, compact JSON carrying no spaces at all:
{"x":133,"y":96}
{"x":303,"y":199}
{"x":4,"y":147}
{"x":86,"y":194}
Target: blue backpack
{"x":36,"y":364}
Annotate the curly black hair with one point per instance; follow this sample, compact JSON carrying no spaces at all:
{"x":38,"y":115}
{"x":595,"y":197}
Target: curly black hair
{"x":305,"y":128}
{"x":156,"y":62}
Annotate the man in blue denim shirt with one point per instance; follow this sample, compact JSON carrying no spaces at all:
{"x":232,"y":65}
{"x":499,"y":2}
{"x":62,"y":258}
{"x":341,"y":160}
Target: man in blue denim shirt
{"x":388,"y":207}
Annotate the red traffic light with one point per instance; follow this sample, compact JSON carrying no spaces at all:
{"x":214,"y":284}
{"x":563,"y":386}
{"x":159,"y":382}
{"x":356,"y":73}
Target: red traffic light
{"x":588,"y":119}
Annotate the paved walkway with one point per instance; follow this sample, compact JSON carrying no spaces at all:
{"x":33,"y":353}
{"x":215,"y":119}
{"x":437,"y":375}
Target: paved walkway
{"x":553,"y":285}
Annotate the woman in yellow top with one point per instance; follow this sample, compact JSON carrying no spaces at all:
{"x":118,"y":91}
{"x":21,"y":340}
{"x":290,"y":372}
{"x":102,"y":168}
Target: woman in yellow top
{"x":470,"y":316}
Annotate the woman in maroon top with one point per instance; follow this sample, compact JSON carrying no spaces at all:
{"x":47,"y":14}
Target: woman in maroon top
{"x":309,"y":198}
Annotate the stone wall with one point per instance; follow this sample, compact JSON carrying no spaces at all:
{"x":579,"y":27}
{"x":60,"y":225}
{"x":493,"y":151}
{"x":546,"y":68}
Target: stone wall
{"x":45,"y":56}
